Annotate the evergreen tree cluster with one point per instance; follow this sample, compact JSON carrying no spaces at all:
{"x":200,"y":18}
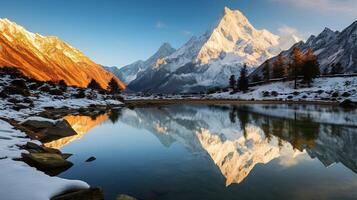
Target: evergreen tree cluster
{"x":298,"y":65}
{"x":93,"y":84}
{"x":242,"y":84}
{"x":113,"y":86}
{"x":305,"y":65}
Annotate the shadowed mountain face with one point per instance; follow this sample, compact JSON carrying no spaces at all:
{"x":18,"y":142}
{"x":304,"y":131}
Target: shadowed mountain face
{"x":237,"y":138}
{"x":330,"y":47}
{"x":47,"y":58}
{"x":130,"y":72}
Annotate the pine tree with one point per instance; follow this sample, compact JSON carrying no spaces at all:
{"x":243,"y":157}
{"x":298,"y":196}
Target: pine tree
{"x":279,"y":67}
{"x":113,"y":86}
{"x":93,"y":84}
{"x":266,"y":71}
{"x":339,"y":68}
{"x":62,"y":85}
{"x":296,"y":60}
{"x":325,"y":71}
{"x":256,"y":78}
{"x":336,"y":68}
{"x":243,"y":83}
{"x":310,"y":67}
{"x":232,"y":82}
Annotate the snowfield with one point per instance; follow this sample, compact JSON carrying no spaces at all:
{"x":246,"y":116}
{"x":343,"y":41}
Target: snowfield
{"x":20,"y":181}
{"x":336,"y":89}
{"x":323,"y":89}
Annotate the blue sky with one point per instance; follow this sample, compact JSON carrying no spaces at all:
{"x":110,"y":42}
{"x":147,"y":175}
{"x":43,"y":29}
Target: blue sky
{"x":119,"y":32}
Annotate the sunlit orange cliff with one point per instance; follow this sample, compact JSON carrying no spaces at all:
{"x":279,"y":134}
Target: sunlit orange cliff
{"x":48,"y":58}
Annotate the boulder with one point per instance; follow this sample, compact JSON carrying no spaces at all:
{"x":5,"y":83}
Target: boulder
{"x":46,"y":161}
{"x":90,"y":159}
{"x":37,"y":124}
{"x":61,"y":129}
{"x":125,"y":197}
{"x":49,"y":129}
{"x":348,"y":104}
{"x":84,"y":194}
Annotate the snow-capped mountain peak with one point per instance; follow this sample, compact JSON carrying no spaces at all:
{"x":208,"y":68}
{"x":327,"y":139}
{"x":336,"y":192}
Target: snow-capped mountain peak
{"x":209,"y":60}
{"x":47,"y":57}
{"x":235,"y":34}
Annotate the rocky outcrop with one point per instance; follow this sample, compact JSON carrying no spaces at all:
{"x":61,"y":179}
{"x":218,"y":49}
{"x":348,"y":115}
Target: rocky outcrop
{"x":84,"y":194}
{"x":48,"y":130}
{"x":49,"y":160}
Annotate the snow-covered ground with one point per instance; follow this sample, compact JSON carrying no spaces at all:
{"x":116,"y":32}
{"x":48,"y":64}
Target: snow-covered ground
{"x":18,"y":180}
{"x":331,"y":89}
{"x":323,"y":89}
{"x":41,"y":100}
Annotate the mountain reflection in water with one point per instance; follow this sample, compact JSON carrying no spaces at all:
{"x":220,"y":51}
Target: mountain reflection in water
{"x":238,"y":138}
{"x":81,"y":124}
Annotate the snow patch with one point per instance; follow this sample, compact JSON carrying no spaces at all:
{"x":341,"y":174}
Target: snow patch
{"x":20,"y":181}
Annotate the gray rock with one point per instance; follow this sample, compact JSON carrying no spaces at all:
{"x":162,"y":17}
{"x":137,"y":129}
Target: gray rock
{"x":125,"y":197}
{"x":49,"y":131}
{"x":348,"y":104}
{"x":84,"y":194}
{"x":61,"y":128}
{"x":46,"y":161}
{"x":37,"y":124}
{"x":90,"y":159}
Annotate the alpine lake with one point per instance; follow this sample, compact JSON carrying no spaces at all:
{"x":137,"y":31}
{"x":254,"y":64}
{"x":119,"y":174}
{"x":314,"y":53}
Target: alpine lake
{"x":257,"y":151}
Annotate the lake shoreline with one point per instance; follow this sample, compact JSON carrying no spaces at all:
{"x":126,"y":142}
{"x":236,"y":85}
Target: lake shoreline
{"x":148,"y":102}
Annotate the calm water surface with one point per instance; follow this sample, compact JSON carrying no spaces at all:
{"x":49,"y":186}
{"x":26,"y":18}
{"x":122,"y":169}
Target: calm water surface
{"x":217,"y":152}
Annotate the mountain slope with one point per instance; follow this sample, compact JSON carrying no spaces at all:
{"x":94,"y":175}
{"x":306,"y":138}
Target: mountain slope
{"x":330,"y":47}
{"x":47,"y":57}
{"x":209,"y":60}
{"x":129,"y":72}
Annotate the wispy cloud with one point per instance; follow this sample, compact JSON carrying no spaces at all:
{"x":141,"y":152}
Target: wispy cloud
{"x":288,"y":30}
{"x":160,"y":25}
{"x":186,"y":32}
{"x":288,"y":36}
{"x":341,"y":6}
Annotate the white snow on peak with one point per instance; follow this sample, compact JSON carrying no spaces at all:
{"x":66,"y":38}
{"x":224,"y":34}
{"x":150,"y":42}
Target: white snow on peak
{"x":209,"y":60}
{"x":42,"y":45}
{"x":235,"y":36}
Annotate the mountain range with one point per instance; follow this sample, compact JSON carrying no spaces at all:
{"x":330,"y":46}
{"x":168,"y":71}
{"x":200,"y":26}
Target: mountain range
{"x":330,"y":47}
{"x":130,"y":72}
{"x":47,"y":58}
{"x":208,"y":60}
